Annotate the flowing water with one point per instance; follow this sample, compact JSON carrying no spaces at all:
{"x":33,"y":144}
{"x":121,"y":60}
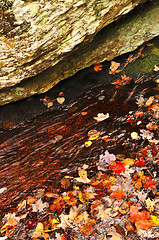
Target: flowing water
{"x":38,"y":151}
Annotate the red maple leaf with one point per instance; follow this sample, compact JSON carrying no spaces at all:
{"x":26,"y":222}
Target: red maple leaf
{"x":117,"y":166}
{"x":149,"y":182}
{"x":139,"y":162}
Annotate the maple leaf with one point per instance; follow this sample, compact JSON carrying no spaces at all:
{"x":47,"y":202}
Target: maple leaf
{"x":39,"y":206}
{"x":140,"y":218}
{"x":148,"y":182}
{"x":118,"y":194}
{"x":104,"y":160}
{"x":97,"y":67}
{"x":89,"y":227}
{"x":58,"y":205}
{"x":117,"y":166}
{"x":140,"y":162}
{"x":140,"y":101}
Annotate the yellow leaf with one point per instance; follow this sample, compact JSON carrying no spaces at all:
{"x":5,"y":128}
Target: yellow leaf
{"x":134,"y":135}
{"x":82,"y":172}
{"x":149,"y":101}
{"x":88,"y":143}
{"x":81,"y":197}
{"x":155,"y":220}
{"x":93,"y":137}
{"x":150,"y":204}
{"x":128,"y":161}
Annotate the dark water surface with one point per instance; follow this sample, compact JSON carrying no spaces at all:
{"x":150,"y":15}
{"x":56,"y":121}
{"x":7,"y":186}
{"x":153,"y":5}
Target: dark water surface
{"x":36,"y":151}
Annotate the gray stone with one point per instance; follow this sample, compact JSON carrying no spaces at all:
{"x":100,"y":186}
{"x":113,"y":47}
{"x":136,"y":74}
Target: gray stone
{"x":60,"y":35}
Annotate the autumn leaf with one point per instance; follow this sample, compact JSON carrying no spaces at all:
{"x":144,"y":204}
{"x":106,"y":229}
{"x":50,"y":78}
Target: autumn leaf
{"x":89,"y":227}
{"x":150,"y":204}
{"x":134,"y":135}
{"x":141,"y":219}
{"x":104,"y":160}
{"x":60,"y":100}
{"x":101,"y":116}
{"x":58,"y":205}
{"x":140,"y":162}
{"x":82,"y":176}
{"x":151,"y":126}
{"x":156,"y":68}
{"x":65,"y":183}
{"x":98,"y":67}
{"x":149,"y":101}
{"x":114,"y":66}
{"x":118,"y":194}
{"x":148,"y":183}
{"x":88,"y":143}
{"x":118,"y":167}
{"x":154,"y":221}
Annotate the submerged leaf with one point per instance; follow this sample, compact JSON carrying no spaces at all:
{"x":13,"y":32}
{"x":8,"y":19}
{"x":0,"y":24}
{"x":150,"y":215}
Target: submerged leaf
{"x":101,"y":116}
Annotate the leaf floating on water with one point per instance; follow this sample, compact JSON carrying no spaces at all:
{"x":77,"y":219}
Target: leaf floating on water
{"x":98,"y":67}
{"x":156,"y":68}
{"x":106,"y":138}
{"x":60,"y":100}
{"x":93,"y":132}
{"x":93,"y":137}
{"x":140,"y":101}
{"x":149,"y":101}
{"x":88,"y":144}
{"x":83,"y":113}
{"x":134,"y":135}
{"x":100,"y":98}
{"x":58,"y":137}
{"x":151,"y":126}
{"x":101,"y":116}
{"x":50,"y":104}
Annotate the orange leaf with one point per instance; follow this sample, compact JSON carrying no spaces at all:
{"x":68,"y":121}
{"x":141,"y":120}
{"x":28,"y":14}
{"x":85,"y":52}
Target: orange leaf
{"x":98,"y":67}
{"x":149,"y":101}
{"x":118,"y":194}
{"x":88,"y":227}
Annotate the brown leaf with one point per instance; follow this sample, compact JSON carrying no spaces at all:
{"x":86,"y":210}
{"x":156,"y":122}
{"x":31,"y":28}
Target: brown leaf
{"x":65,"y":183}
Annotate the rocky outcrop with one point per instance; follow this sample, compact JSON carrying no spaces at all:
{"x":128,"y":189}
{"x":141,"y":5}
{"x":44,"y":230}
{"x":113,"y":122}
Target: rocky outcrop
{"x":62,"y":36}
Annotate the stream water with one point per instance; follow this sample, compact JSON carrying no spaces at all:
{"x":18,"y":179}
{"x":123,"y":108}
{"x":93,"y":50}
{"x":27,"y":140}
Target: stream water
{"x":37,"y":151}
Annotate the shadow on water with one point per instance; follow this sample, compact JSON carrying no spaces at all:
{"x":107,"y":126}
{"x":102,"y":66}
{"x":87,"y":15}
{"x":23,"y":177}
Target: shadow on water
{"x":36,"y":151}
